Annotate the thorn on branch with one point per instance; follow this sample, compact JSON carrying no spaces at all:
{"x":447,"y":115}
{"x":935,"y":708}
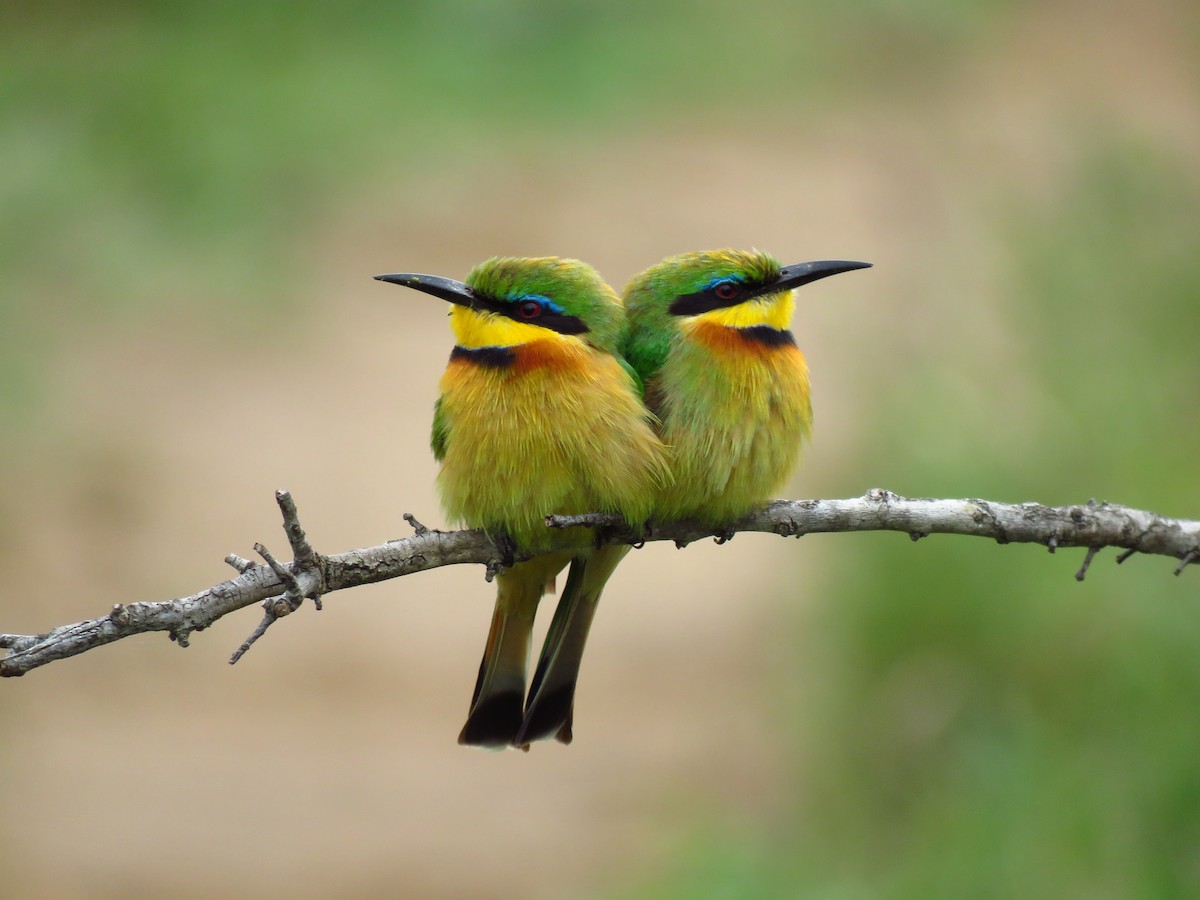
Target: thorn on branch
{"x":1087,"y":561}
{"x":418,"y":529}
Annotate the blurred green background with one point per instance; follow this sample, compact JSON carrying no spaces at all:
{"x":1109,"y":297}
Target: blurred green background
{"x":194,"y":197}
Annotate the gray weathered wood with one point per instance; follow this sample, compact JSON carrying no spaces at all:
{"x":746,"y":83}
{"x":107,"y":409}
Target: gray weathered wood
{"x":1089,"y":525}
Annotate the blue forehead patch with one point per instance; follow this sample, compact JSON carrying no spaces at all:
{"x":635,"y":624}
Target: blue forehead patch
{"x":733,"y":279}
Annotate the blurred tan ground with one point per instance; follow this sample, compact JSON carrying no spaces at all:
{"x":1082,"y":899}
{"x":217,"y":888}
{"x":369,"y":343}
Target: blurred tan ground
{"x":325,"y":762}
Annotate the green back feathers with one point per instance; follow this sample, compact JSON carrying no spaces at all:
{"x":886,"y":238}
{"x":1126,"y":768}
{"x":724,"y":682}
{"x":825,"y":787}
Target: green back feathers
{"x":647,"y":297}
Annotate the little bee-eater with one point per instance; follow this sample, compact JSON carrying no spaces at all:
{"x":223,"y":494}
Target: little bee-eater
{"x":708,"y":336}
{"x":537,"y":415}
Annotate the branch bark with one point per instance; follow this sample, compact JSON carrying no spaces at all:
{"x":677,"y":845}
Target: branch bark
{"x":282,"y":587}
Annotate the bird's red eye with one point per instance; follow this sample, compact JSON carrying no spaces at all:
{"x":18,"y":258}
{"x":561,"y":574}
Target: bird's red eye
{"x":726,"y":290}
{"x":529,"y":309}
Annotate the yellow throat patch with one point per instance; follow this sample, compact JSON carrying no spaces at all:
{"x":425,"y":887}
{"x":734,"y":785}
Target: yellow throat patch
{"x":474,"y":328}
{"x":772,"y":310}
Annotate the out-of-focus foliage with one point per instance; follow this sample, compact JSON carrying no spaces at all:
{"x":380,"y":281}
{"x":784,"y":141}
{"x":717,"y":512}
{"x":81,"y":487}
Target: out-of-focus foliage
{"x":961,"y":719}
{"x":981,"y":725}
{"x":174,"y":153}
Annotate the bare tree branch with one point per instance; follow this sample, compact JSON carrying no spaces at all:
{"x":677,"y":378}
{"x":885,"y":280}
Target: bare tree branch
{"x":283,"y":587}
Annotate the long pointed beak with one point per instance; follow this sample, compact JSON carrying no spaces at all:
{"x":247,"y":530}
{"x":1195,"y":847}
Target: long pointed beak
{"x":807,"y":272}
{"x":446,"y":288}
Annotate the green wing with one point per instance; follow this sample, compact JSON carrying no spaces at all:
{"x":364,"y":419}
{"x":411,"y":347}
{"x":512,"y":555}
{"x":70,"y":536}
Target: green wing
{"x":441,"y":431}
{"x":638,"y":385}
{"x":645,"y":351}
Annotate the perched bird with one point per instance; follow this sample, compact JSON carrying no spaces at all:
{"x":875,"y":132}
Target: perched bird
{"x":537,"y":415}
{"x":709,"y":336}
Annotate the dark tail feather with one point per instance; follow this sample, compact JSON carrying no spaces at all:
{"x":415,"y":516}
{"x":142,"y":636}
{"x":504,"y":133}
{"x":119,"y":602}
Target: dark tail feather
{"x":498,"y":700}
{"x":496,"y":704}
{"x":549,"y":711}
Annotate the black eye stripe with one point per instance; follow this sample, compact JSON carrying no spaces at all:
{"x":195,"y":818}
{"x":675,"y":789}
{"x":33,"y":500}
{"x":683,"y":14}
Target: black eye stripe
{"x":718,"y":296}
{"x":542,"y":317}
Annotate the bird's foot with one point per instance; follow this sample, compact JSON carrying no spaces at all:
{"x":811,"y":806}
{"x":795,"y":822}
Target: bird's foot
{"x":724,"y":534}
{"x":641,"y":534}
{"x":621,"y":533}
{"x":506,"y":554}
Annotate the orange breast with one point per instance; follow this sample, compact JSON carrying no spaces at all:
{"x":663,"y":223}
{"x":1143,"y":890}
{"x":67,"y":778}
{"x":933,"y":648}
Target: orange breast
{"x":758,"y":342}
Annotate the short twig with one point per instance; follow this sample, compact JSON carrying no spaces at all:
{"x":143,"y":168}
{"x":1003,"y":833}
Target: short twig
{"x":307,"y":565}
{"x":281,"y":571}
{"x":267,"y":621}
{"x":417,"y":527}
{"x":240,"y":563}
{"x":1087,"y":561}
{"x":1187,"y":559}
{"x":303,"y":554}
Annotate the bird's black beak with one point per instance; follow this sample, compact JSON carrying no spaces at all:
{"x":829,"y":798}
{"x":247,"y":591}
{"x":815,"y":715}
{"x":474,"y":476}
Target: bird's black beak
{"x":447,"y":288}
{"x":800,"y":274}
